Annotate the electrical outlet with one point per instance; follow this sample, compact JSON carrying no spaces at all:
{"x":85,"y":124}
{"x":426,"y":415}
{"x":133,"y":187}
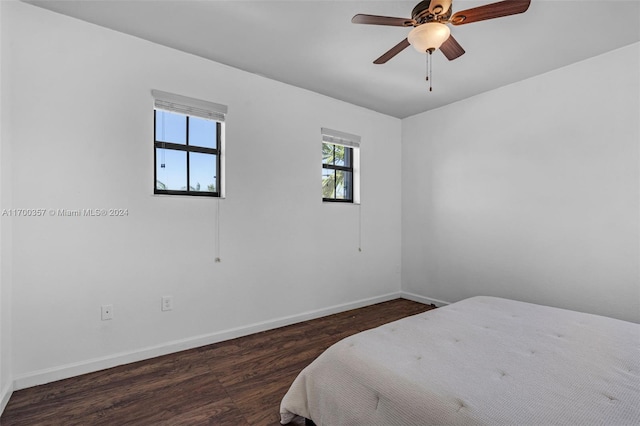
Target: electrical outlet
{"x":167,"y":303}
{"x":107,"y":312}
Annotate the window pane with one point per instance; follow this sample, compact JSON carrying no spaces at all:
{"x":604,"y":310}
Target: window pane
{"x":328,"y":183}
{"x":327,"y":153}
{"x":339,"y":159}
{"x":203,"y":132}
{"x":202,"y":169}
{"x":348,"y":153}
{"x":171,"y":169}
{"x":343,"y":185}
{"x":171,"y":127}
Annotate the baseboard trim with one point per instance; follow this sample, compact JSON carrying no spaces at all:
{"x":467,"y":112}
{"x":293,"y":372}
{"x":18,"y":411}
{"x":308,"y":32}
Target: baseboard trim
{"x":5,"y":395}
{"x":89,"y":366}
{"x":422,"y":299}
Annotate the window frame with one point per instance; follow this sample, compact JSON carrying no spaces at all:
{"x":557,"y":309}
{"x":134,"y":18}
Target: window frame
{"x":187,"y":149}
{"x":349,"y":169}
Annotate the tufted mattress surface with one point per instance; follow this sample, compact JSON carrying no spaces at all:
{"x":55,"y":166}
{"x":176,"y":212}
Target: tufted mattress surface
{"x":483,"y":360}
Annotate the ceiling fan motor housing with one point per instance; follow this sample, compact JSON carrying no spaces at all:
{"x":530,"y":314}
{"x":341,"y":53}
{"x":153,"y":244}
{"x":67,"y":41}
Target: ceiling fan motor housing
{"x":431,"y":11}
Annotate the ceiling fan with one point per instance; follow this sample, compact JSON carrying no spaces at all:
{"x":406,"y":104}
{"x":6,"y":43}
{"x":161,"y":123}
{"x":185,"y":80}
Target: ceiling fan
{"x":430,"y":32}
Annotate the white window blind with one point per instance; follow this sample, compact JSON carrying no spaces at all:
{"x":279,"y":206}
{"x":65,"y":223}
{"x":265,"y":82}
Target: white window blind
{"x":189,"y":106}
{"x":340,"y":138}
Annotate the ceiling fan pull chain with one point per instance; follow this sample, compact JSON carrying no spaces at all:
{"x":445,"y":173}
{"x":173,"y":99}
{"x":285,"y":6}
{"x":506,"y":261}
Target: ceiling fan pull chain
{"x":430,"y":73}
{"x":427,"y":67}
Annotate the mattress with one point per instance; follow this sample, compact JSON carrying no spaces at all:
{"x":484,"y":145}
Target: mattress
{"x":483,"y":360}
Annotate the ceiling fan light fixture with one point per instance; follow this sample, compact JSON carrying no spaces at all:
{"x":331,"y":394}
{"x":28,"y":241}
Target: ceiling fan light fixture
{"x":429,"y":36}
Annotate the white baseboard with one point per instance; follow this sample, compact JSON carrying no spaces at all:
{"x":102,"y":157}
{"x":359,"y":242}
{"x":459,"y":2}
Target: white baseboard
{"x":5,"y":394}
{"x":422,"y":299}
{"x":89,"y":366}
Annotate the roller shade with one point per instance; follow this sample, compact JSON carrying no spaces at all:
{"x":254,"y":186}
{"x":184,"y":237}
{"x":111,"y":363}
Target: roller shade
{"x":189,"y":106}
{"x":340,"y":138}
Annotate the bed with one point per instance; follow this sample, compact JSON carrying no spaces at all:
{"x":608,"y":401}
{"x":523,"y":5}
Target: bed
{"x":483,"y":360}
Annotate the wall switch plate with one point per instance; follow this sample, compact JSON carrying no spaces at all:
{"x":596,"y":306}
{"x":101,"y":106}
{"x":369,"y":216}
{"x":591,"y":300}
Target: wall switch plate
{"x":167,"y":303}
{"x":107,"y":312}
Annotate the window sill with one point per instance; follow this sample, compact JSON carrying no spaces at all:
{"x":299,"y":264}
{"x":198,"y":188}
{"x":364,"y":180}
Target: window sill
{"x":341,"y":203}
{"x":187,"y":197}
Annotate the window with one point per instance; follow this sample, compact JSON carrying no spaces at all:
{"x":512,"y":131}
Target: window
{"x":187,"y":155}
{"x":188,"y":146}
{"x":337,"y":172}
{"x":339,"y":166}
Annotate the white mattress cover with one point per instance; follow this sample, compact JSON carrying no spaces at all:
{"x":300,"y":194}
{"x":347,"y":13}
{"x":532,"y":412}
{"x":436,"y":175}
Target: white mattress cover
{"x":483,"y":360}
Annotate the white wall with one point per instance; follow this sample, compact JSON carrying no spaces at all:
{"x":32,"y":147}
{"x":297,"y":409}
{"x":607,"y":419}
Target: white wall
{"x":530,"y":191}
{"x":6,"y":380}
{"x":82,"y":138}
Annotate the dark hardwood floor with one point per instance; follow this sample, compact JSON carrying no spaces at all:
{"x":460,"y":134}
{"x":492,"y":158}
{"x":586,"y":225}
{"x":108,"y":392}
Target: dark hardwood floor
{"x":236,"y":382}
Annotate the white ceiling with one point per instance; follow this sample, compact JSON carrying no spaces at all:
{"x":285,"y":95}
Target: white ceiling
{"x":314,"y":45}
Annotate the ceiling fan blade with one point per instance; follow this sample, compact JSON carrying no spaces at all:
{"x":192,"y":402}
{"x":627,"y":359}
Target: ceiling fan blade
{"x":451,"y":48}
{"x":392,"y":52}
{"x":490,"y":11}
{"x":383,"y":20}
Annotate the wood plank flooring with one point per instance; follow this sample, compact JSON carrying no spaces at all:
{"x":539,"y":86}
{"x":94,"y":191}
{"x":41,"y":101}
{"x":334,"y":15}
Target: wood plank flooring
{"x":236,"y":382}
